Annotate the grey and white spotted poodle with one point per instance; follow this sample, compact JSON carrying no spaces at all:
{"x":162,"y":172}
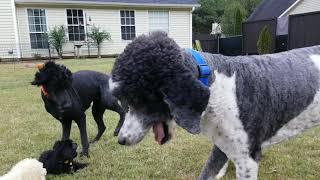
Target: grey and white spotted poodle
{"x":250,"y":102}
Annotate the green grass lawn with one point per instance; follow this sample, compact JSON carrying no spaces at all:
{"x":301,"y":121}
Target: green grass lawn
{"x":26,"y":129}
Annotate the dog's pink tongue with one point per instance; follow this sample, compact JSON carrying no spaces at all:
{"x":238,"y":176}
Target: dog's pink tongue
{"x":158,"y":132}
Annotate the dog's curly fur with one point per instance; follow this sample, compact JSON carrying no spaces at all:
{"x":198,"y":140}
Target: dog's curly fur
{"x":159,"y":74}
{"x":60,"y":159}
{"x":54,"y":76}
{"x":68,"y":95}
{"x":27,"y":169}
{"x":251,"y":102}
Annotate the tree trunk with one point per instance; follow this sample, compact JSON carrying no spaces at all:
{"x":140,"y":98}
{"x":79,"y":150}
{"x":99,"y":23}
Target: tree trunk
{"x":99,"y":52}
{"x":60,"y":54}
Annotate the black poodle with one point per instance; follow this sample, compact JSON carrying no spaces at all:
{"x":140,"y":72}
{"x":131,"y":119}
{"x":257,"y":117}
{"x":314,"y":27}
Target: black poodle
{"x":60,"y":159}
{"x":68,"y":95}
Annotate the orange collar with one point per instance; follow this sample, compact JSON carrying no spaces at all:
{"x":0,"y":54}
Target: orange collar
{"x":44,"y":92}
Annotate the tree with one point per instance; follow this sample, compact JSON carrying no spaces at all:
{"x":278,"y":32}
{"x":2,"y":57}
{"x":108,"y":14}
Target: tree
{"x":57,"y":38}
{"x":212,"y":11}
{"x":232,"y":18}
{"x":209,"y":12}
{"x":238,"y":22}
{"x":99,"y":37}
{"x":264,"y":41}
{"x":250,"y":5}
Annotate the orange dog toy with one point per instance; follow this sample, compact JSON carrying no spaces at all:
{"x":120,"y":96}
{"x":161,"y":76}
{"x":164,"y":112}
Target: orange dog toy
{"x":40,"y":66}
{"x":44,"y":92}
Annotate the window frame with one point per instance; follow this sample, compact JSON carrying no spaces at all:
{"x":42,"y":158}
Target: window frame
{"x":150,"y":23}
{"x":72,"y":35}
{"x":43,"y":27}
{"x":131,"y":35}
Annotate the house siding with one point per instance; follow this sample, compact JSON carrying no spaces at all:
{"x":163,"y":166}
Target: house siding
{"x":108,"y":19}
{"x":7,"y":36}
{"x":180,"y":27}
{"x":305,"y":6}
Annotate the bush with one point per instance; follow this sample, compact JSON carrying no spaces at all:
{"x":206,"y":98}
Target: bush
{"x":98,"y":37}
{"x":264,"y":41}
{"x":238,"y":22}
{"x":57,"y":38}
{"x":197,"y":45}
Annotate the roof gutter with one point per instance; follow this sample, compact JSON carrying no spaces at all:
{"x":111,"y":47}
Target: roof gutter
{"x":92,"y":3}
{"x":290,"y":8}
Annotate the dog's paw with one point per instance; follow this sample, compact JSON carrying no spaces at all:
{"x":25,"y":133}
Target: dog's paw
{"x":84,"y":153}
{"x":93,"y":141}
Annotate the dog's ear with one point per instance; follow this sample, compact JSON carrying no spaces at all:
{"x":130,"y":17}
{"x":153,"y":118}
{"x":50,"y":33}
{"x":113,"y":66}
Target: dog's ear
{"x":187,"y":98}
{"x":57,"y":145}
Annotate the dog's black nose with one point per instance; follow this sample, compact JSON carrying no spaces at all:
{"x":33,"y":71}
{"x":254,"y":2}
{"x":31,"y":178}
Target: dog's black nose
{"x":122,"y":141}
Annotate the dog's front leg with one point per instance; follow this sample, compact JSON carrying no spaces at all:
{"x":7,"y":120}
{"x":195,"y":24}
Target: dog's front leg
{"x":216,"y":163}
{"x":81,"y":122}
{"x":120,"y":123}
{"x":246,"y":168}
{"x":66,"y":128}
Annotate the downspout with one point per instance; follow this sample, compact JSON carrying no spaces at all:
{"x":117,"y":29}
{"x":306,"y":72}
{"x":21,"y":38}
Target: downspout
{"x":193,"y":8}
{"x":15,"y":27}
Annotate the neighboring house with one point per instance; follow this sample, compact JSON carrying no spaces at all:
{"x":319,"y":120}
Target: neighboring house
{"x":293,"y":24}
{"x":23,"y":23}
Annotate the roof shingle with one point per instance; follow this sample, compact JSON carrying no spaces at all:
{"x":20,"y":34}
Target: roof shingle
{"x":269,"y":9}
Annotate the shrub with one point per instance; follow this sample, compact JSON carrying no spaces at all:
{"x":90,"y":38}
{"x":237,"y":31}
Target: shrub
{"x":238,"y":22}
{"x":57,"y":38}
{"x":197,"y":45}
{"x":264,"y":41}
{"x":99,"y":36}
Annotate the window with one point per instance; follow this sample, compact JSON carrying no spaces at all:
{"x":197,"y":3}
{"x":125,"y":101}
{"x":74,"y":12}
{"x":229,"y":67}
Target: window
{"x":75,"y":25}
{"x":37,"y":28}
{"x":159,"y":20}
{"x":128,"y":29}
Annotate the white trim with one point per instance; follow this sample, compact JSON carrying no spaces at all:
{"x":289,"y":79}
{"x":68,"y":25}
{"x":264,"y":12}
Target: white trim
{"x":135,"y":24}
{"x":66,"y":25}
{"x":84,"y":24}
{"x":67,"y":2}
{"x":28,"y":27}
{"x":15,"y":27}
{"x":290,"y":8}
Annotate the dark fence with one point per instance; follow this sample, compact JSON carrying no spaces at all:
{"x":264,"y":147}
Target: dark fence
{"x":251,"y":31}
{"x":304,"y":30}
{"x":208,"y":42}
{"x":229,"y":46}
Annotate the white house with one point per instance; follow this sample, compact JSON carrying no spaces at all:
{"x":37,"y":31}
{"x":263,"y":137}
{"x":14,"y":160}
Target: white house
{"x":24,"y":22}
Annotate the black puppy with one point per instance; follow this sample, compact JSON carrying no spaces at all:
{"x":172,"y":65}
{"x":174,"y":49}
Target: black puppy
{"x":60,"y":159}
{"x":68,"y":95}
